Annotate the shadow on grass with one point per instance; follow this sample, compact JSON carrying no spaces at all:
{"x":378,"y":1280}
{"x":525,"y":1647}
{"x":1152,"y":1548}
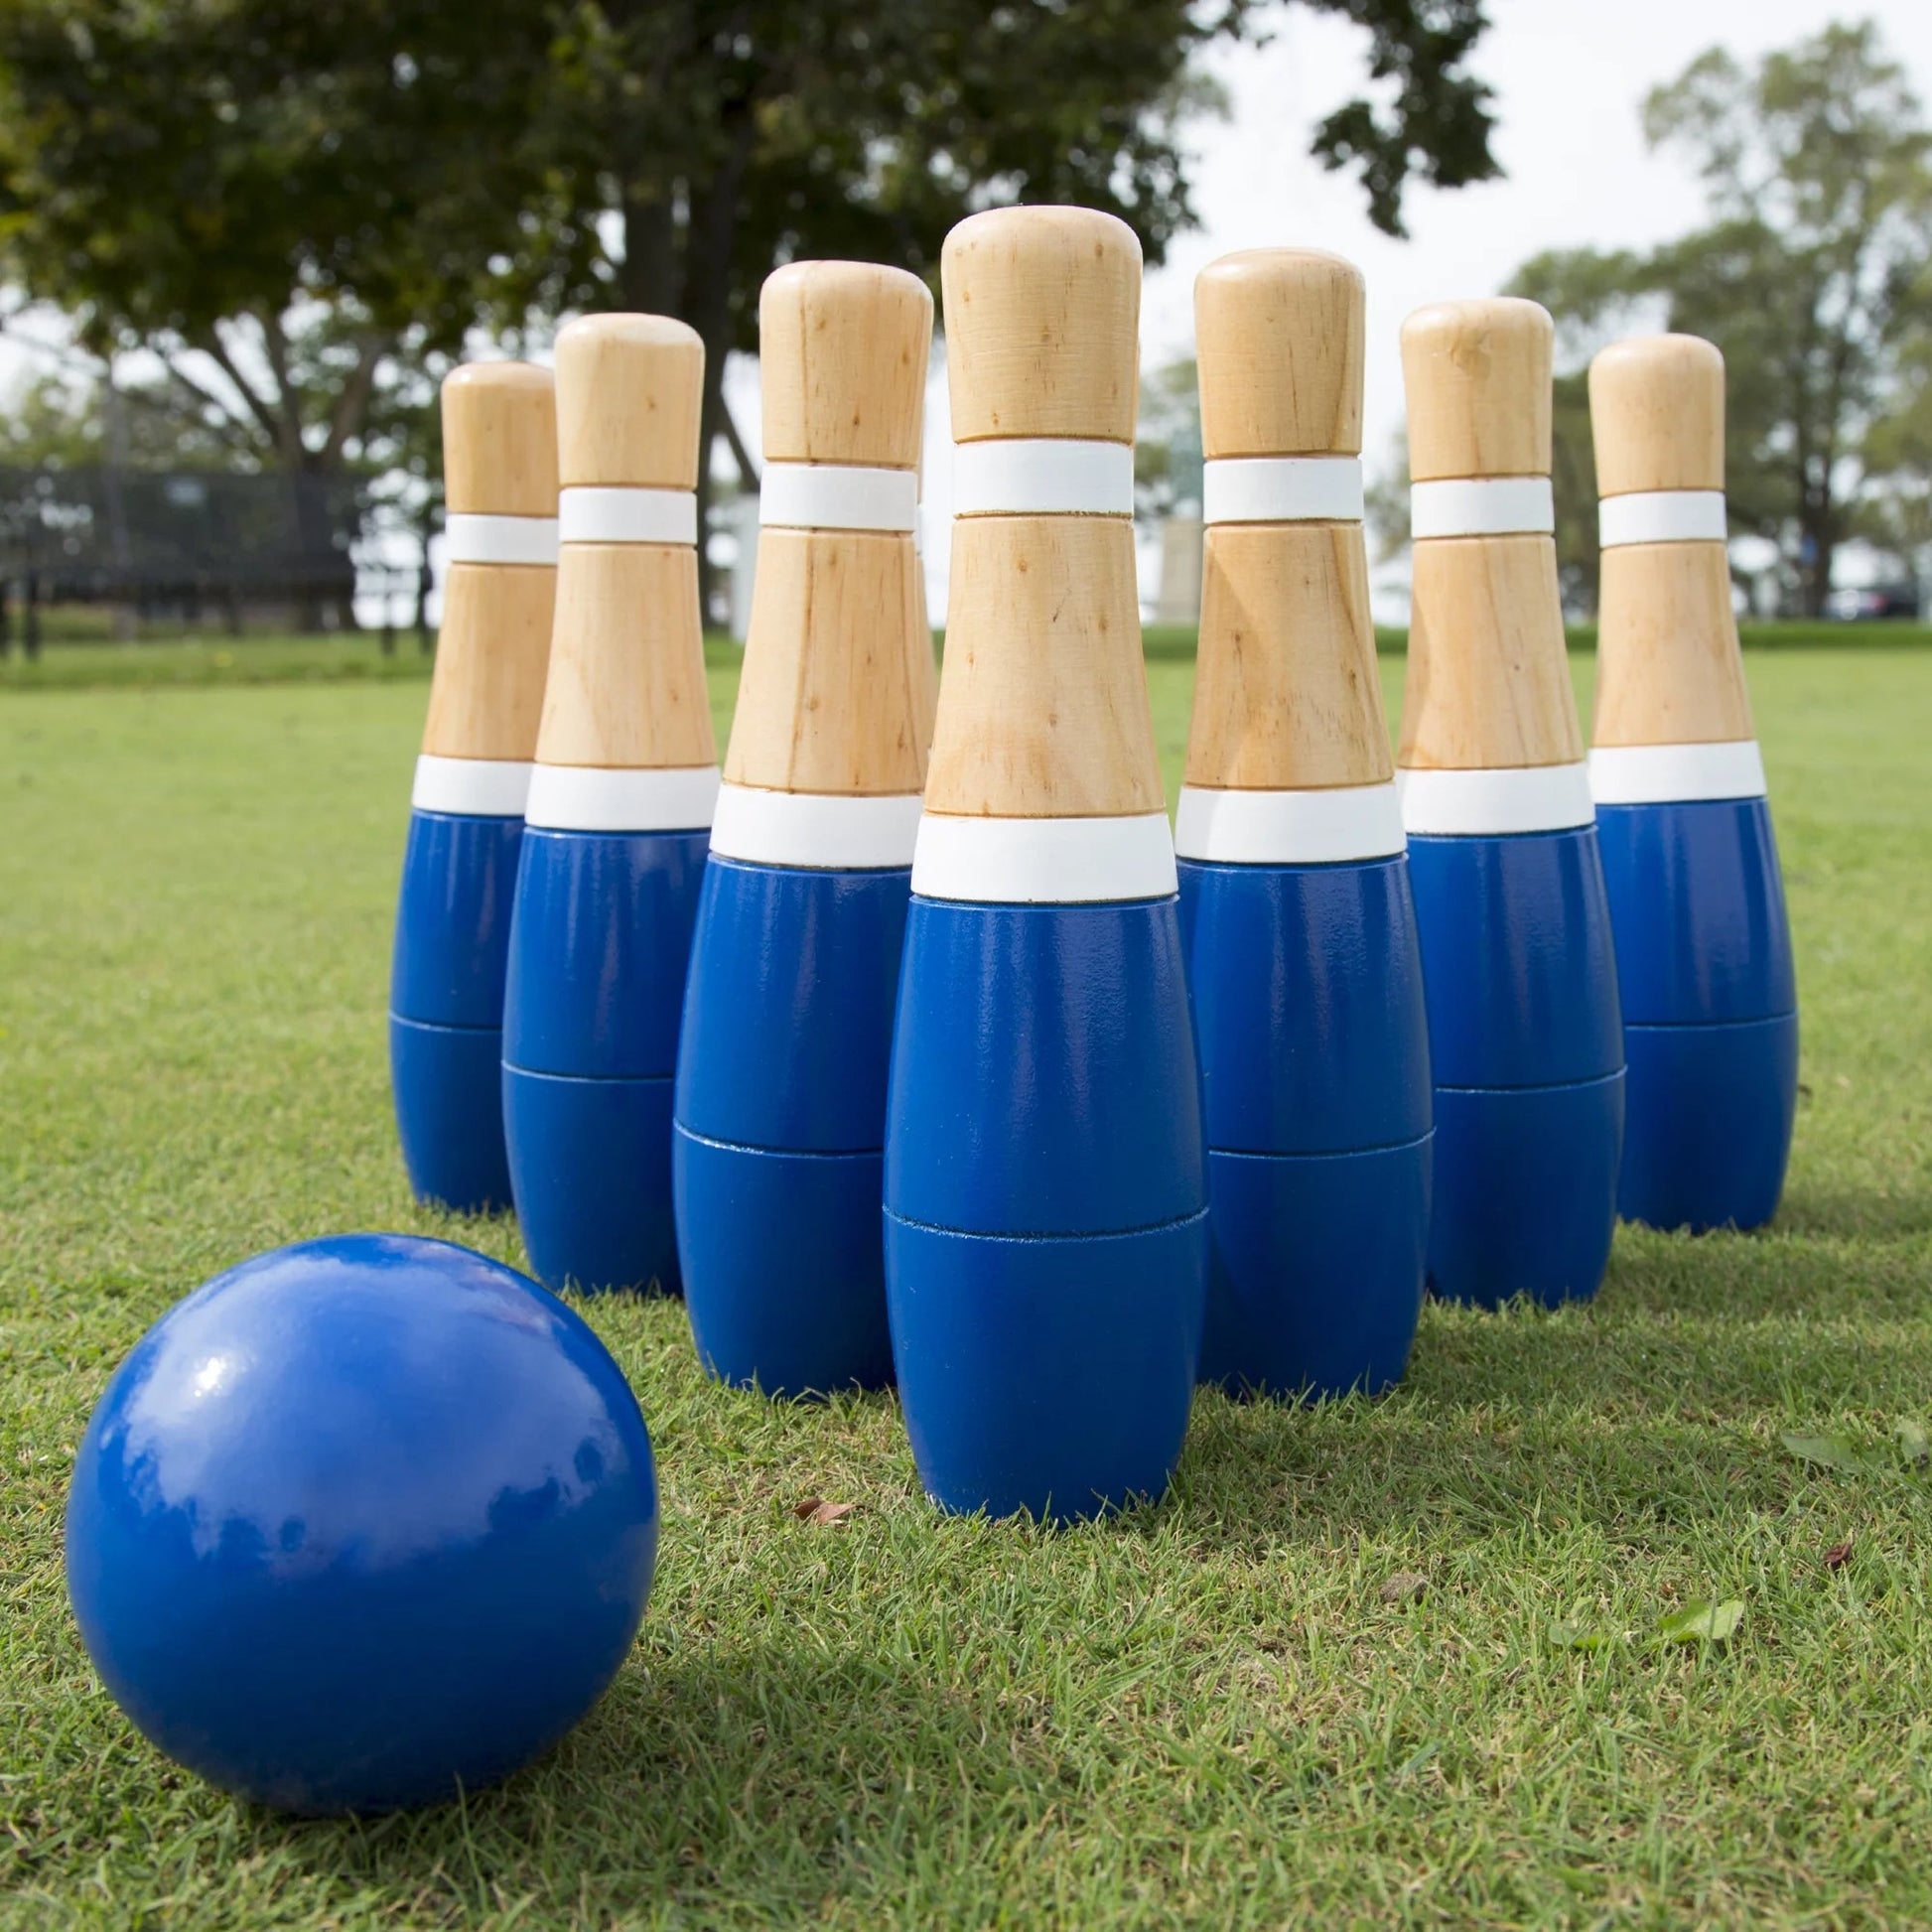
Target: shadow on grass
{"x":1657,"y":1406}
{"x":1861,"y":1214}
{"x":759,"y":1778}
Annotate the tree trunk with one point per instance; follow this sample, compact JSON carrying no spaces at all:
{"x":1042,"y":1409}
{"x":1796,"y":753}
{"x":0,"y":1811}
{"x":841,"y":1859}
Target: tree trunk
{"x":425,"y":580}
{"x":1818,"y":543}
{"x":649,"y":278}
{"x":709,"y":265}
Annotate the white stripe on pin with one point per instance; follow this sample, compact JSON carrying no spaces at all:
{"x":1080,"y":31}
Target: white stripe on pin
{"x":1043,"y":861}
{"x":815,"y":830}
{"x":471,"y":787}
{"x":1482,"y":506}
{"x":602,"y":798}
{"x":1662,"y":516}
{"x":473,"y":539}
{"x":1670,"y":774}
{"x":1282,"y":490}
{"x":595,"y":513}
{"x":1495,"y":803}
{"x":838,"y":496}
{"x":1042,"y":476}
{"x":1288,"y":828}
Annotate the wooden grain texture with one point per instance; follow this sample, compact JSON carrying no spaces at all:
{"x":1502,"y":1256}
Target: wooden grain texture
{"x":486,"y":695}
{"x":925,"y":658}
{"x":830,"y":698}
{"x":1478,"y":380}
{"x":499,"y":440}
{"x":843,"y":353}
{"x":1043,"y":695}
{"x":1042,"y":323}
{"x":1488,"y":683}
{"x":1668,"y":667}
{"x":1279,"y":334}
{"x":1287,"y":693}
{"x":923,"y":664}
{"x":1657,"y":415}
{"x":626,"y":684}
{"x":629,"y":390}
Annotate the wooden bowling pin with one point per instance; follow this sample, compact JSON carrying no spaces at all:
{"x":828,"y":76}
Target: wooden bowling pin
{"x":1046,"y":1192}
{"x":618,"y":817}
{"x":780,"y":1106}
{"x":1525,"y":1038}
{"x":1702,"y":949}
{"x":466,"y":825}
{"x":1295,"y":912}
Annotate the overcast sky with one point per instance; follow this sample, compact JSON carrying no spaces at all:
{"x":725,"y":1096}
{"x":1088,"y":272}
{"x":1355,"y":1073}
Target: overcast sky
{"x":1568,"y":77}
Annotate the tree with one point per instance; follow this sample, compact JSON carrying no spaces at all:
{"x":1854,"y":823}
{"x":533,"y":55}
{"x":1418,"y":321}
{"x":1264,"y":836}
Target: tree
{"x":213,"y":178}
{"x":726,"y":139}
{"x":1167,"y":443}
{"x":67,"y":418}
{"x":1811,"y":278}
{"x":288,"y":202}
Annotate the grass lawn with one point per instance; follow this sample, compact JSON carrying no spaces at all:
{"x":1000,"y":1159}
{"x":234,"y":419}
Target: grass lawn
{"x":1235,"y":1708}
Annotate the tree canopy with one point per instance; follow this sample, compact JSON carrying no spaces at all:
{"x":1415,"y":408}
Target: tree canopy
{"x":1811,"y":275}
{"x":290,"y":201}
{"x":276,"y":197}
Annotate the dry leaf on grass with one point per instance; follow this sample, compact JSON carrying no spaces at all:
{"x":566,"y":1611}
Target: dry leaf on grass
{"x":815,"y":1509}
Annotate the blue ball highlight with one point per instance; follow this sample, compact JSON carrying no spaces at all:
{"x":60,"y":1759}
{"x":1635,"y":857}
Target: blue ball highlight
{"x":362,"y":1524}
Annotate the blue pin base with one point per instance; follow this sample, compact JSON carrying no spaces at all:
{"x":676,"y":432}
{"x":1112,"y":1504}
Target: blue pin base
{"x":448,"y":1083}
{"x":1711,"y":1112}
{"x":1090,"y":1340}
{"x":1531,"y":1174}
{"x":1047,"y":1204}
{"x":1526,"y":1047}
{"x":1316,"y":1279}
{"x":587,"y":1157}
{"x":781,"y":1117}
{"x":445,"y":1007}
{"x":787,"y":1248}
{"x":1306,"y":989}
{"x":599,"y":946}
{"x":1710,"y":1010}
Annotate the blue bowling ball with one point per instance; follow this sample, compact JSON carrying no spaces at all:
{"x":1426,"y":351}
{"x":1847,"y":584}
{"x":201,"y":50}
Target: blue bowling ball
{"x":361,"y":1523}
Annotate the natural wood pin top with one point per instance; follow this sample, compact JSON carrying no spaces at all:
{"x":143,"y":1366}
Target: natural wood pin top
{"x":1042,"y":324}
{"x":1657,"y":415}
{"x":842,"y":353}
{"x":499,"y":440}
{"x":1488,"y":682}
{"x":1668,"y":667}
{"x":486,"y":695}
{"x":832,"y":699}
{"x":834,"y":696}
{"x":628,"y":392}
{"x":1286,"y":696}
{"x":1279,"y":334}
{"x":626,"y":683}
{"x":1043,"y":695}
{"x":1477,"y":379}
